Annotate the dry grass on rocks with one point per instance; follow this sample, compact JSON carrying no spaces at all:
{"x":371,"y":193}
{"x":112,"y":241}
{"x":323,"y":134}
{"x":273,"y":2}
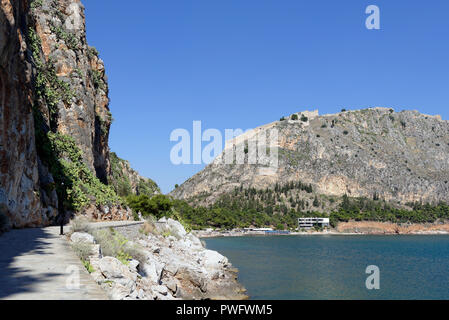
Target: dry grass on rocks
{"x":113,"y":244}
{"x":80,"y":224}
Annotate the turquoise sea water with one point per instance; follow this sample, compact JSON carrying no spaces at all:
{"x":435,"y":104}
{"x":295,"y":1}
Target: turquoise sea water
{"x":333,"y":267}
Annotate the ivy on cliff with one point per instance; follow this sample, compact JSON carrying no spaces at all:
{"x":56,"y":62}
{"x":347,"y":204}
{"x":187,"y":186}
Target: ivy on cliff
{"x":97,"y":79}
{"x":67,"y":37}
{"x":75,"y":183}
{"x":36,"y":4}
{"x":48,"y":86}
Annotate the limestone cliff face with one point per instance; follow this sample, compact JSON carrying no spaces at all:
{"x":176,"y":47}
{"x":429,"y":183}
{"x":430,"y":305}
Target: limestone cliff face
{"x":18,"y":160}
{"x":54,"y":116}
{"x":84,"y":114}
{"x":400,"y":157}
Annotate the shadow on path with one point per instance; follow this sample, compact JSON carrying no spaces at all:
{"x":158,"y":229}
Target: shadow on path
{"x":22,"y":252}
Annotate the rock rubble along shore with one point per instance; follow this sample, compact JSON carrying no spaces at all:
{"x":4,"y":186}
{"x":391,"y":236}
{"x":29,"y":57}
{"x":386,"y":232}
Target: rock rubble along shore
{"x":372,"y":227}
{"x":161,"y":262}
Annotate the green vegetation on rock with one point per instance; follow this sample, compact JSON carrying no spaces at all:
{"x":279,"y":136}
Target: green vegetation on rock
{"x":75,"y":182}
{"x":48,"y":87}
{"x":157,"y":206}
{"x":69,"y":38}
{"x":113,"y":244}
{"x":97,"y":79}
{"x":126,"y":181}
{"x":36,"y":4}
{"x":92,"y":51}
{"x":362,"y":209}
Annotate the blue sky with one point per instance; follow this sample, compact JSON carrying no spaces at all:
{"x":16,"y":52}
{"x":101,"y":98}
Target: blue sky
{"x":244,"y":63}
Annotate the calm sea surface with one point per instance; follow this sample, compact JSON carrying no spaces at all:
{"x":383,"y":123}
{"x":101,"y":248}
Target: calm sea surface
{"x":333,"y":267}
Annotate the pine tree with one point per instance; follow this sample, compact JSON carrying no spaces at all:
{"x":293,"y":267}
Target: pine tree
{"x":316,"y":203}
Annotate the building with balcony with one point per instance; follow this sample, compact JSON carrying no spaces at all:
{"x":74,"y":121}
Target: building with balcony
{"x":308,"y":223}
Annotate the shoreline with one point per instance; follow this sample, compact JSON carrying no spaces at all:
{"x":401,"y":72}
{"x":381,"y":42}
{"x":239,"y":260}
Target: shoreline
{"x":223,"y":235}
{"x":352,"y":228}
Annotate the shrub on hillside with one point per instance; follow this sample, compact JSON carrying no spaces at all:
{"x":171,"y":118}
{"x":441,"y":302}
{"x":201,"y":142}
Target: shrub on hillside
{"x":157,"y":206}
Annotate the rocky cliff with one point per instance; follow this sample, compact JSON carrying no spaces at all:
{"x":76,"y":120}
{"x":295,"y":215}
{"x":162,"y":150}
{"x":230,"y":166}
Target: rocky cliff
{"x":19,"y":178}
{"x":54,"y":115}
{"x":127,"y":181}
{"x":374,"y":153}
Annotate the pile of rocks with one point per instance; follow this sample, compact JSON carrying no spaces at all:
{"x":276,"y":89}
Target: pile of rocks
{"x":173,"y":264}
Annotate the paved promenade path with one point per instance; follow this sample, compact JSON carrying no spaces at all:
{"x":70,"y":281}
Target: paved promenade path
{"x":38,"y":264}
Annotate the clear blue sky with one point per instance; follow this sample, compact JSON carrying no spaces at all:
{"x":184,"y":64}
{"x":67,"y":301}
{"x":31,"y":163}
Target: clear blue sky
{"x":244,"y":63}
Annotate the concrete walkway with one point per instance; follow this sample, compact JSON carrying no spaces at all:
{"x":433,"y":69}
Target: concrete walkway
{"x":38,"y":264}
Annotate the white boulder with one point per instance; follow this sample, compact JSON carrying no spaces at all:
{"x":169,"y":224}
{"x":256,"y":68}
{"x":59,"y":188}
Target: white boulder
{"x":177,"y":228}
{"x":82,"y":237}
{"x":213,"y":260}
{"x":114,"y":270}
{"x":191,"y":242}
{"x":152,"y":270}
{"x":161,"y":289}
{"x":119,"y":292}
{"x":133,"y":265}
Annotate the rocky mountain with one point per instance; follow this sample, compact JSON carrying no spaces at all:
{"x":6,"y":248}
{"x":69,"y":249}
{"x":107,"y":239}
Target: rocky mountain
{"x":54,"y":115}
{"x":125,"y":180}
{"x":376,"y":153}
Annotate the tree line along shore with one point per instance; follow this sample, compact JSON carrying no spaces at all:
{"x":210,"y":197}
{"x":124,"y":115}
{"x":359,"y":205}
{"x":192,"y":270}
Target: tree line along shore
{"x":246,"y":208}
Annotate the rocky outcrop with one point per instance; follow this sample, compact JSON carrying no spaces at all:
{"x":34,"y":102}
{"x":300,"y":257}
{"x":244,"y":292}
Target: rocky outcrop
{"x":126,"y":180}
{"x":374,"y":153}
{"x":82,"y":237}
{"x":19,"y":178}
{"x":83,"y":111}
{"x":172,"y":264}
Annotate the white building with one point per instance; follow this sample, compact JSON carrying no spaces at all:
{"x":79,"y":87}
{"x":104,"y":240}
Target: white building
{"x":308,"y":223}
